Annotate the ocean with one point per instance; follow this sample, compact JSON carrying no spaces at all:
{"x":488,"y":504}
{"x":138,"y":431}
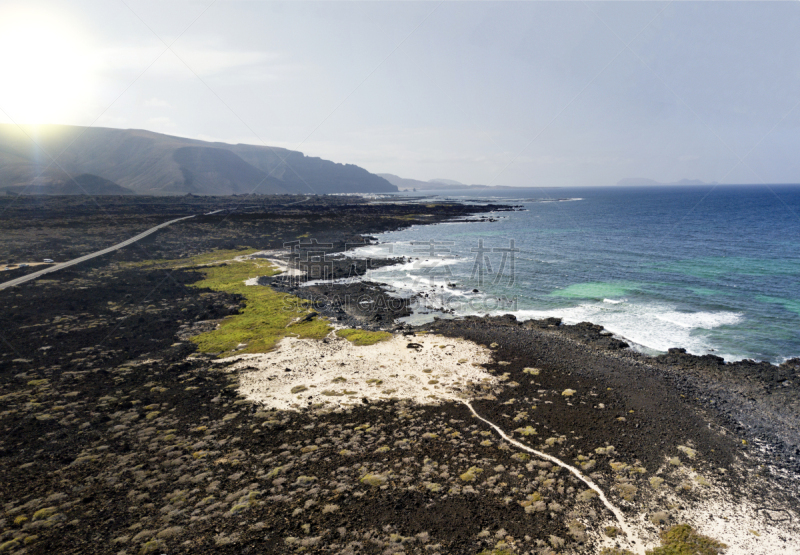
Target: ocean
{"x":712,"y":269}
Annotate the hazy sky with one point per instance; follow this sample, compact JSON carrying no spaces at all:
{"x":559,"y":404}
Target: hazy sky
{"x":524,"y":93}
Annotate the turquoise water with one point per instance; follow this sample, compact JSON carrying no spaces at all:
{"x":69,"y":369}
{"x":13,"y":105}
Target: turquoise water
{"x":711,"y":269}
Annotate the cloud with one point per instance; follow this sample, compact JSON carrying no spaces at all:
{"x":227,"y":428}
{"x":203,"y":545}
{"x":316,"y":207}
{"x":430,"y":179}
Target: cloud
{"x":156,"y":103}
{"x":211,"y":61}
{"x":183,"y":59}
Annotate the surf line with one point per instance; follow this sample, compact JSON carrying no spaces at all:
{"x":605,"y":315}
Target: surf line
{"x":614,"y":510}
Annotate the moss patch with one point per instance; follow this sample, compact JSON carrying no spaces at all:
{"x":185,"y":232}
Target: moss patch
{"x":268,"y":316}
{"x":362,"y":337}
{"x":684,"y":540}
{"x":472,"y":474}
{"x":374,"y":480}
{"x":44,"y":513}
{"x":678,"y":540}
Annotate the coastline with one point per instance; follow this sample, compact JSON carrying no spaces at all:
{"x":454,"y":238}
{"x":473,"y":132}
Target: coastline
{"x":692,"y":289}
{"x":757,"y":398}
{"x":116,"y":423}
{"x":749,"y":404}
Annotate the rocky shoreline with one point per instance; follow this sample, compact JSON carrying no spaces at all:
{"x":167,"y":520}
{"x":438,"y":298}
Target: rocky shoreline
{"x":119,"y":436}
{"x":757,"y":400}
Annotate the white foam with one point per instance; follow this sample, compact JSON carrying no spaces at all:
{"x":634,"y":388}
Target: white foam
{"x":653,"y":325}
{"x":560,"y":200}
{"x":649,"y":326}
{"x":704,"y":320}
{"x":419,"y":264}
{"x":381,"y":250}
{"x":344,"y":280}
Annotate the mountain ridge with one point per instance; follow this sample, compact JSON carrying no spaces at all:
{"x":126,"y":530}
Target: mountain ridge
{"x":147,"y":162}
{"x":404,"y":183}
{"x":84,"y":184}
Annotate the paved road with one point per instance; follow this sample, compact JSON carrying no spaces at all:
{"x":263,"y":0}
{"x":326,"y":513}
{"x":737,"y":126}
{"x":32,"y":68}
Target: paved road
{"x":62,"y":265}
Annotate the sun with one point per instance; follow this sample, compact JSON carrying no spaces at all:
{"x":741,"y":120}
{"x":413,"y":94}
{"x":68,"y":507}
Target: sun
{"x":44,"y":68}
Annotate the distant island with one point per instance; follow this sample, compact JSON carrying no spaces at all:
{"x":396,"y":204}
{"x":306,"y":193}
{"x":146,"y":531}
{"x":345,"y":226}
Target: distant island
{"x":104,"y":161}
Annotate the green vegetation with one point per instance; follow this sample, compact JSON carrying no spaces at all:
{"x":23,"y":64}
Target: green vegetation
{"x":374,"y":480}
{"x":153,"y":546}
{"x":586,"y":495}
{"x":472,"y":474}
{"x":362,"y":337}
{"x":679,"y":540}
{"x":9,"y":545}
{"x":684,"y":540}
{"x":268,"y":316}
{"x":44,"y":513}
{"x":626,"y":491}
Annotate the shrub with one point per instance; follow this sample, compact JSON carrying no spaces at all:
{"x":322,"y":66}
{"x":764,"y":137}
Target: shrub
{"x":684,"y":540}
{"x":471,"y":474}
{"x":374,"y":480}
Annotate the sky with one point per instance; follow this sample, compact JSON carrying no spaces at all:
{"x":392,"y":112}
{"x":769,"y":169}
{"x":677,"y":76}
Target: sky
{"x":517,"y":93}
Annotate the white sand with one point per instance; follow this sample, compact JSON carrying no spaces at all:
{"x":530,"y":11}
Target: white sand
{"x":269,"y":256}
{"x":386,"y":370}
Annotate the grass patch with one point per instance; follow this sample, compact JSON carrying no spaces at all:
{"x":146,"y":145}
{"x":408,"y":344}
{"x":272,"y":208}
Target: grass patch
{"x":268,"y":316}
{"x":362,"y":337}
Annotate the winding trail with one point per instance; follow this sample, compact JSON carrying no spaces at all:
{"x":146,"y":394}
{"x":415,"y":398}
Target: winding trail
{"x":629,"y":533}
{"x":63,"y":265}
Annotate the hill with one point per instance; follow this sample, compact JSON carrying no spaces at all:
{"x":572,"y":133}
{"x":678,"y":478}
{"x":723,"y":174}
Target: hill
{"x":84,"y":184}
{"x":155,"y":164}
{"x":403,"y":183}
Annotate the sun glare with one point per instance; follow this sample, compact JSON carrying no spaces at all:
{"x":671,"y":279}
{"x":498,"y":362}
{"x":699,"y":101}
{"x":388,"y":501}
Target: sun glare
{"x":44,"y":68}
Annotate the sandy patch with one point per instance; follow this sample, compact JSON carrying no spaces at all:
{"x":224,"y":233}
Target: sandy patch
{"x":337,"y":373}
{"x":269,"y":256}
{"x":24,"y":265}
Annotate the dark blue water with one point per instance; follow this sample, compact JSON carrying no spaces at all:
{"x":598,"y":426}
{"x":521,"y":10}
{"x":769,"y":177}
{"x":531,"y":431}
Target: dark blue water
{"x":711,"y":269}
